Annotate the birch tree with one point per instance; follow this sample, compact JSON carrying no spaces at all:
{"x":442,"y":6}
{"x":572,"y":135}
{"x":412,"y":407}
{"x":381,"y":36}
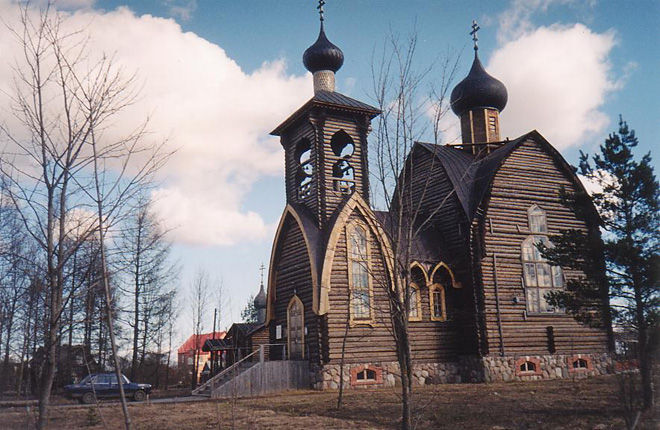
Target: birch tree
{"x":62,"y":166}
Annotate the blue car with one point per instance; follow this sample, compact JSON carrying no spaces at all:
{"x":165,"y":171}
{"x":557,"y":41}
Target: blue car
{"x":104,"y":386}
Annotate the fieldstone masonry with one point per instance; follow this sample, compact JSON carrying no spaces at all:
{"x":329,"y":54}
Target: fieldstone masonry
{"x":467,"y":369}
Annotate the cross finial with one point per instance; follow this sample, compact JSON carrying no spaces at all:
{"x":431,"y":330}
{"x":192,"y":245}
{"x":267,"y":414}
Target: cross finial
{"x":320,"y":8}
{"x":262,"y":268}
{"x":473,"y":33}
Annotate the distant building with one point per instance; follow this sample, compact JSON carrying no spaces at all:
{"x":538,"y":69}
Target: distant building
{"x":193,"y":347}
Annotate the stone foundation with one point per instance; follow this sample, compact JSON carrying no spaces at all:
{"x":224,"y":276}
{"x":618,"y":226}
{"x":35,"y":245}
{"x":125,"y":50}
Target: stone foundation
{"x":467,"y":369}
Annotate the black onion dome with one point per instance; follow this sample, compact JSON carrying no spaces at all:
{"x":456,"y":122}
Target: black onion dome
{"x":260,"y":299}
{"x":478,"y":90}
{"x":323,"y":55}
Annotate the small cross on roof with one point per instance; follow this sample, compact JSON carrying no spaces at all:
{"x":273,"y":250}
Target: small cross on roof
{"x":473,"y":33}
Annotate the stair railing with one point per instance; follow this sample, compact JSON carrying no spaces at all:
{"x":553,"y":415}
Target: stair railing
{"x":211,"y":382}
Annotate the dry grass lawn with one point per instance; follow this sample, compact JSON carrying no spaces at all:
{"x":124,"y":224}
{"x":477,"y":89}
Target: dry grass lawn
{"x":584,"y":404}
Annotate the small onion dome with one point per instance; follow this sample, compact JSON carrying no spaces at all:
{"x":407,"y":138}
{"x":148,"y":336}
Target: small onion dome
{"x":323,"y":55}
{"x":478,"y":90}
{"x":260,"y":299}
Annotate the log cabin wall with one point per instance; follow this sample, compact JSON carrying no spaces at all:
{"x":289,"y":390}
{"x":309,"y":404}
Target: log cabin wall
{"x":530,"y":175}
{"x":439,"y":201}
{"x":293,"y":276}
{"x":431,"y":341}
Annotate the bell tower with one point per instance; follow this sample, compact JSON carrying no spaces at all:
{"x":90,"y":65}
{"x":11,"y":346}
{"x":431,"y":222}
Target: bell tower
{"x":325,"y":141}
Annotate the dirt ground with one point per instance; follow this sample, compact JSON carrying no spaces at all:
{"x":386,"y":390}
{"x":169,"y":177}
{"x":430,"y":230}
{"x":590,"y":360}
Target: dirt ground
{"x":583,"y":404}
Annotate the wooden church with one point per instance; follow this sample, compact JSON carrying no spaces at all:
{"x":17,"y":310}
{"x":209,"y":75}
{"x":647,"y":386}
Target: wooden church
{"x":478,"y":308}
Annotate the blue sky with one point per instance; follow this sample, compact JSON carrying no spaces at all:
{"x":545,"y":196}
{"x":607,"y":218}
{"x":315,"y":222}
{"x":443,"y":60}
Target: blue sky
{"x":219,"y":75}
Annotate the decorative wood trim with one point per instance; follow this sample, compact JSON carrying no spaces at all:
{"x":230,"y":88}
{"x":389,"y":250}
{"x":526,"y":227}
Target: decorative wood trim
{"x":443,"y":307}
{"x":354,"y":203}
{"x":295,"y":299}
{"x":440,"y":265}
{"x":420,"y":267}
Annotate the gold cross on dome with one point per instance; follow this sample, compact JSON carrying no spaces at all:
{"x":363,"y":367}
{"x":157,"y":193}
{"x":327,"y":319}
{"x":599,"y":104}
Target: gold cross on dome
{"x":473,"y":33}
{"x":320,"y":8}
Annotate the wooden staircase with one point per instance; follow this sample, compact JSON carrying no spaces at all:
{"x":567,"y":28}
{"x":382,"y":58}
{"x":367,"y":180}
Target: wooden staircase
{"x":207,"y":389}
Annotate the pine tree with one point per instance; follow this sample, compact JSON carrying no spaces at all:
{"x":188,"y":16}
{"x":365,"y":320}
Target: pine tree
{"x":625,"y":264}
{"x":249,"y":313}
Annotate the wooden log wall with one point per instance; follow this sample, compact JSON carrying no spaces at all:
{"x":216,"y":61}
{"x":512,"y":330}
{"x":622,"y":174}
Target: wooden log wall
{"x":432,"y":186}
{"x":293,"y":276}
{"x":529,"y":176}
{"x":432,"y":341}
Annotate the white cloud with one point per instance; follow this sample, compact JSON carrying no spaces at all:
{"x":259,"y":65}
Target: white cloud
{"x":216,"y":115}
{"x":558,"y":78}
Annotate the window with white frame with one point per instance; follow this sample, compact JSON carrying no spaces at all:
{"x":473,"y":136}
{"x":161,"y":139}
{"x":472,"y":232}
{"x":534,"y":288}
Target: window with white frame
{"x":537,"y":222}
{"x":359,"y":273}
{"x":540,"y":278}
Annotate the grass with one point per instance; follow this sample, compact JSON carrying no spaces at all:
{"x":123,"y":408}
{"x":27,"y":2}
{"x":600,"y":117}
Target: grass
{"x":561,"y":404}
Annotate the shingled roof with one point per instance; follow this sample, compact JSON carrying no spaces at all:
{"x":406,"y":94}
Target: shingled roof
{"x":471,"y":175}
{"x":329,"y":99}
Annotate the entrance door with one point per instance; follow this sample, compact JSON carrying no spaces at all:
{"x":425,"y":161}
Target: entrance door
{"x":296,"y":327}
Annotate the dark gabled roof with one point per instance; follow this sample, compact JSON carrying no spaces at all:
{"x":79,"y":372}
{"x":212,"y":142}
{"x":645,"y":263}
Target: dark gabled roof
{"x":457,"y":163}
{"x":471,"y":175}
{"x":329,"y":99}
{"x":426,"y":246}
{"x":217,"y":345}
{"x":242,"y":328}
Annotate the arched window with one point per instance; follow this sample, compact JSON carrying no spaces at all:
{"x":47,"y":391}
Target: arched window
{"x":358,"y":267}
{"x":366,"y":375}
{"x":540,"y":278}
{"x":528,"y":366}
{"x":343,"y":174}
{"x":418,"y":280}
{"x":580,"y":363}
{"x":303,"y":156}
{"x":415,"y":304}
{"x":441,"y":279}
{"x":296,"y":329}
{"x":537,"y":222}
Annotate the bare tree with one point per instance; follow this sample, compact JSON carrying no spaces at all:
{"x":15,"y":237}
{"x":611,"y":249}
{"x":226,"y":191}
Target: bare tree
{"x":60,"y":161}
{"x":145,"y":257}
{"x":413,"y":105}
{"x":199,"y":295}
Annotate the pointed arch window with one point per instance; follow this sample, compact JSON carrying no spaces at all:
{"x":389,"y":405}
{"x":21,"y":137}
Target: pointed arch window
{"x":539,"y":277}
{"x":343,"y":173}
{"x":537,"y":222}
{"x":296,"y":329}
{"x":358,"y":271}
{"x":415,"y":304}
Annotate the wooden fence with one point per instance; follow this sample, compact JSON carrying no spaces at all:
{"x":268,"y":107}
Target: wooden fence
{"x":266,"y":377}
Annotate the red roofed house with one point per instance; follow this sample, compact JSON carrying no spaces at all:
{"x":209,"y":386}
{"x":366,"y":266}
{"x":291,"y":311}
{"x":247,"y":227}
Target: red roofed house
{"x":193,"y":347}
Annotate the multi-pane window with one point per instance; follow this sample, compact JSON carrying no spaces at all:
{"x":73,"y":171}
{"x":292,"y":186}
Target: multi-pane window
{"x":415,"y":311}
{"x":437,"y":296}
{"x":537,"y":222}
{"x":359,"y":273}
{"x":540,"y":277}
